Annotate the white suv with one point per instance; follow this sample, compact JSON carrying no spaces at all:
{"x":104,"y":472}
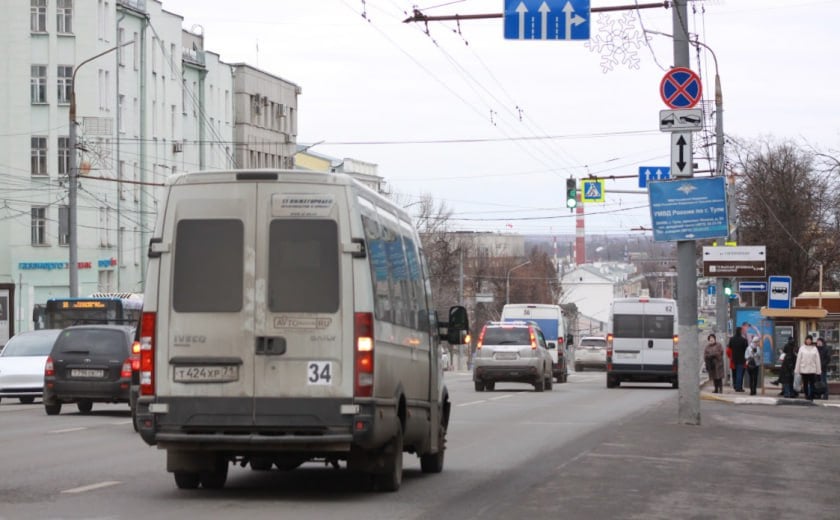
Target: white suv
{"x":512,"y":351}
{"x":591,"y":352}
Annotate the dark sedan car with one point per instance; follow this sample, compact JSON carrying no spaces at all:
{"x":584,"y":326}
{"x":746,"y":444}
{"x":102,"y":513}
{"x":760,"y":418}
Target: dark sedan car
{"x":89,"y":364}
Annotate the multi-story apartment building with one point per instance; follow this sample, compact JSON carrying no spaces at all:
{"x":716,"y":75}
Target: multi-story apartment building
{"x":150,"y":102}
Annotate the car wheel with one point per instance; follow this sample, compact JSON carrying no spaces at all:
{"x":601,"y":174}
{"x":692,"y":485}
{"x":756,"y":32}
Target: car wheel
{"x":539,"y":386}
{"x":613,"y":382}
{"x":433,"y":462}
{"x":391,"y":479}
{"x":578,"y":368}
{"x":52,"y":409}
{"x":27,"y":400}
{"x":216,"y":478}
{"x":479,"y":386}
{"x":549,"y":383}
{"x":134,"y":419}
{"x":187,"y":480}
{"x":490,"y":386}
{"x":85,"y":406}
{"x":675,"y":383}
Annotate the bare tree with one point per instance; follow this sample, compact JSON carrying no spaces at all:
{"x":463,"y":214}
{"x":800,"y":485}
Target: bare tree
{"x":788,"y":202}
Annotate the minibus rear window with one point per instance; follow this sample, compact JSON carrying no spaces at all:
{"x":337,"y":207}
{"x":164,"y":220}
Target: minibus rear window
{"x":209,"y":270}
{"x":303,"y":266}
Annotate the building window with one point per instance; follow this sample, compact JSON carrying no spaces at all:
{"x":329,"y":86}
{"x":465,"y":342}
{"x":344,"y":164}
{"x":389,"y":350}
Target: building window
{"x":39,"y":225}
{"x":39,"y":156}
{"x":63,"y":155}
{"x":63,"y":225}
{"x":121,"y":179}
{"x":38,"y":83}
{"x":65,"y":79}
{"x":38,"y":19}
{"x":105,"y":231}
{"x":121,"y":113}
{"x":135,"y":54}
{"x":120,"y":48}
{"x":136,"y":178}
{"x":64,"y":15}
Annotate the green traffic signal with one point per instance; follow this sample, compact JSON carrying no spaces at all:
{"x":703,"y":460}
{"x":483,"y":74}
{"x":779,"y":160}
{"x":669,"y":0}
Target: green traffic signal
{"x":571,"y":193}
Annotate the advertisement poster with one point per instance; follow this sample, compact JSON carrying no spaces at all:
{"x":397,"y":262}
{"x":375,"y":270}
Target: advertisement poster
{"x":757,"y":326}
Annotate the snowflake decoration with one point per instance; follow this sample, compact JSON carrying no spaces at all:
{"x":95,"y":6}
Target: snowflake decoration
{"x":618,"y":41}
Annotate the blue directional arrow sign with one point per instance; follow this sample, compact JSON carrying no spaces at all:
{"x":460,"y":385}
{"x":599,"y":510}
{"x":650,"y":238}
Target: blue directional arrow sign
{"x":752,"y":287}
{"x":653,"y":173}
{"x":547,"y":19}
{"x":688,"y":209}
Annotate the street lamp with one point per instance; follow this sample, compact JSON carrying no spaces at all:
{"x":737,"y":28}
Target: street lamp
{"x":73,"y":179}
{"x":507,"y":280}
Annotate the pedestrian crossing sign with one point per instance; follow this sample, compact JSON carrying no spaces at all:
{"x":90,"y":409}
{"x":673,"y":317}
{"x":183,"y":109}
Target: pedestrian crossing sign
{"x":593,"y":190}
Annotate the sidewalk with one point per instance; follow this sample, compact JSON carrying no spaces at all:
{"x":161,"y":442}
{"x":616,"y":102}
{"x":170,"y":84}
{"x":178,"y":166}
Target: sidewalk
{"x":770,"y":395}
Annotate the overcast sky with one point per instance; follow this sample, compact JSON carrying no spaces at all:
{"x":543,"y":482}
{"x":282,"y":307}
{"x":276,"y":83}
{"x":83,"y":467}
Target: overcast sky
{"x":462,"y":113}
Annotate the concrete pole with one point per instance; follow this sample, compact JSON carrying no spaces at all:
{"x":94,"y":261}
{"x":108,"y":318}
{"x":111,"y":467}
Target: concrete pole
{"x":72,"y":190}
{"x":689,"y":351}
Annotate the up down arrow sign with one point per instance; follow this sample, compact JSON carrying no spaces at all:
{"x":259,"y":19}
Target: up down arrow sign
{"x":681,"y":164}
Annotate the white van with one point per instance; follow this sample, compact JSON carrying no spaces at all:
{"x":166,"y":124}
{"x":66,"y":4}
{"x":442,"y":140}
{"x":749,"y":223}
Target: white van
{"x":642,"y":343}
{"x":288,"y":317}
{"x":553,"y":325}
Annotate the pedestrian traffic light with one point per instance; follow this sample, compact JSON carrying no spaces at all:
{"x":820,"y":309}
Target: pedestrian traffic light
{"x":727,"y":287}
{"x":571,"y":193}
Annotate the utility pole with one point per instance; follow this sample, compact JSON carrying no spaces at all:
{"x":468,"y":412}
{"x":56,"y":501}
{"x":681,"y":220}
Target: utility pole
{"x":689,"y":349}
{"x":73,"y":179}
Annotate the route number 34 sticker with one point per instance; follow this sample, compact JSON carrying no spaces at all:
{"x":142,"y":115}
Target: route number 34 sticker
{"x":319,"y":373}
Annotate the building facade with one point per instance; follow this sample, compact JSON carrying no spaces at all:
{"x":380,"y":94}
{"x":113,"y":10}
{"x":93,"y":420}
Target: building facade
{"x":150,"y":102}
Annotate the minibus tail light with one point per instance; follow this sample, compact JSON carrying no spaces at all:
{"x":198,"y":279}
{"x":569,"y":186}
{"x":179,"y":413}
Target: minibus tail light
{"x":363,"y":354}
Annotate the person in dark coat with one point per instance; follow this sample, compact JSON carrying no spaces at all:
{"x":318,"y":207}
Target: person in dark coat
{"x":713,"y":355}
{"x":738,"y":344}
{"x":825,"y":360}
{"x":788,"y":363}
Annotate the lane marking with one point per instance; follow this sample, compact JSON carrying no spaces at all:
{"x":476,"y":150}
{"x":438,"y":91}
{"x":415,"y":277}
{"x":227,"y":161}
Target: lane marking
{"x":91,"y":487}
{"x":500,"y":397}
{"x":68,"y":430}
{"x":121,"y":423}
{"x":639,"y":457}
{"x":471,"y":403}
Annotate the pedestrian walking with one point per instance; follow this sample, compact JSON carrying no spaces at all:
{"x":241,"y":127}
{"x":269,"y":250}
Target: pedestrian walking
{"x":738,"y":346}
{"x":753,"y":362}
{"x":713,"y":355}
{"x":825,"y":360}
{"x":788,"y":364}
{"x":808,"y":366}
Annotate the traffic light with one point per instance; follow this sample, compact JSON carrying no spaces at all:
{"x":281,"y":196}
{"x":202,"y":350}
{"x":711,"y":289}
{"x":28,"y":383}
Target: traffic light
{"x":727,"y":287}
{"x":571,"y":193}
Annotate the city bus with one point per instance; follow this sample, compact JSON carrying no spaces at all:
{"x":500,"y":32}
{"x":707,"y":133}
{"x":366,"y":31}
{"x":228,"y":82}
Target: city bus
{"x":99,"y":308}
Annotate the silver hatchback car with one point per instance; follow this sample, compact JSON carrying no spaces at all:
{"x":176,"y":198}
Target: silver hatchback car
{"x":512,"y":351}
{"x":591,"y":352}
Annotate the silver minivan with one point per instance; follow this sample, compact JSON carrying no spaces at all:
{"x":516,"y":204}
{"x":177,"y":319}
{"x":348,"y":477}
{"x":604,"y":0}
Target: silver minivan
{"x":287,"y":317}
{"x":643,"y":342}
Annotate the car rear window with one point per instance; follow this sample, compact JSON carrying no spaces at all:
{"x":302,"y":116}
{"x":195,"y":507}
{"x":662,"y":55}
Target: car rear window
{"x":209,"y":269}
{"x":29,"y":345}
{"x":92,"y":342}
{"x":592,"y":342}
{"x":507,"y":336}
{"x":303,"y":266}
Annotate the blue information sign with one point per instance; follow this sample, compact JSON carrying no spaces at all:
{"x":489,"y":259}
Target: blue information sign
{"x":653,"y":173}
{"x":547,"y":19}
{"x":688,"y":209}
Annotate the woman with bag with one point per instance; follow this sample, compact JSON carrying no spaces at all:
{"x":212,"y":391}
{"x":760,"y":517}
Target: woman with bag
{"x":752,"y":361}
{"x":713,"y":355}
{"x":808,"y":366}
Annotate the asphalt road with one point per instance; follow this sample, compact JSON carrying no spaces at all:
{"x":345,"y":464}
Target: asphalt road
{"x":512,"y":452}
